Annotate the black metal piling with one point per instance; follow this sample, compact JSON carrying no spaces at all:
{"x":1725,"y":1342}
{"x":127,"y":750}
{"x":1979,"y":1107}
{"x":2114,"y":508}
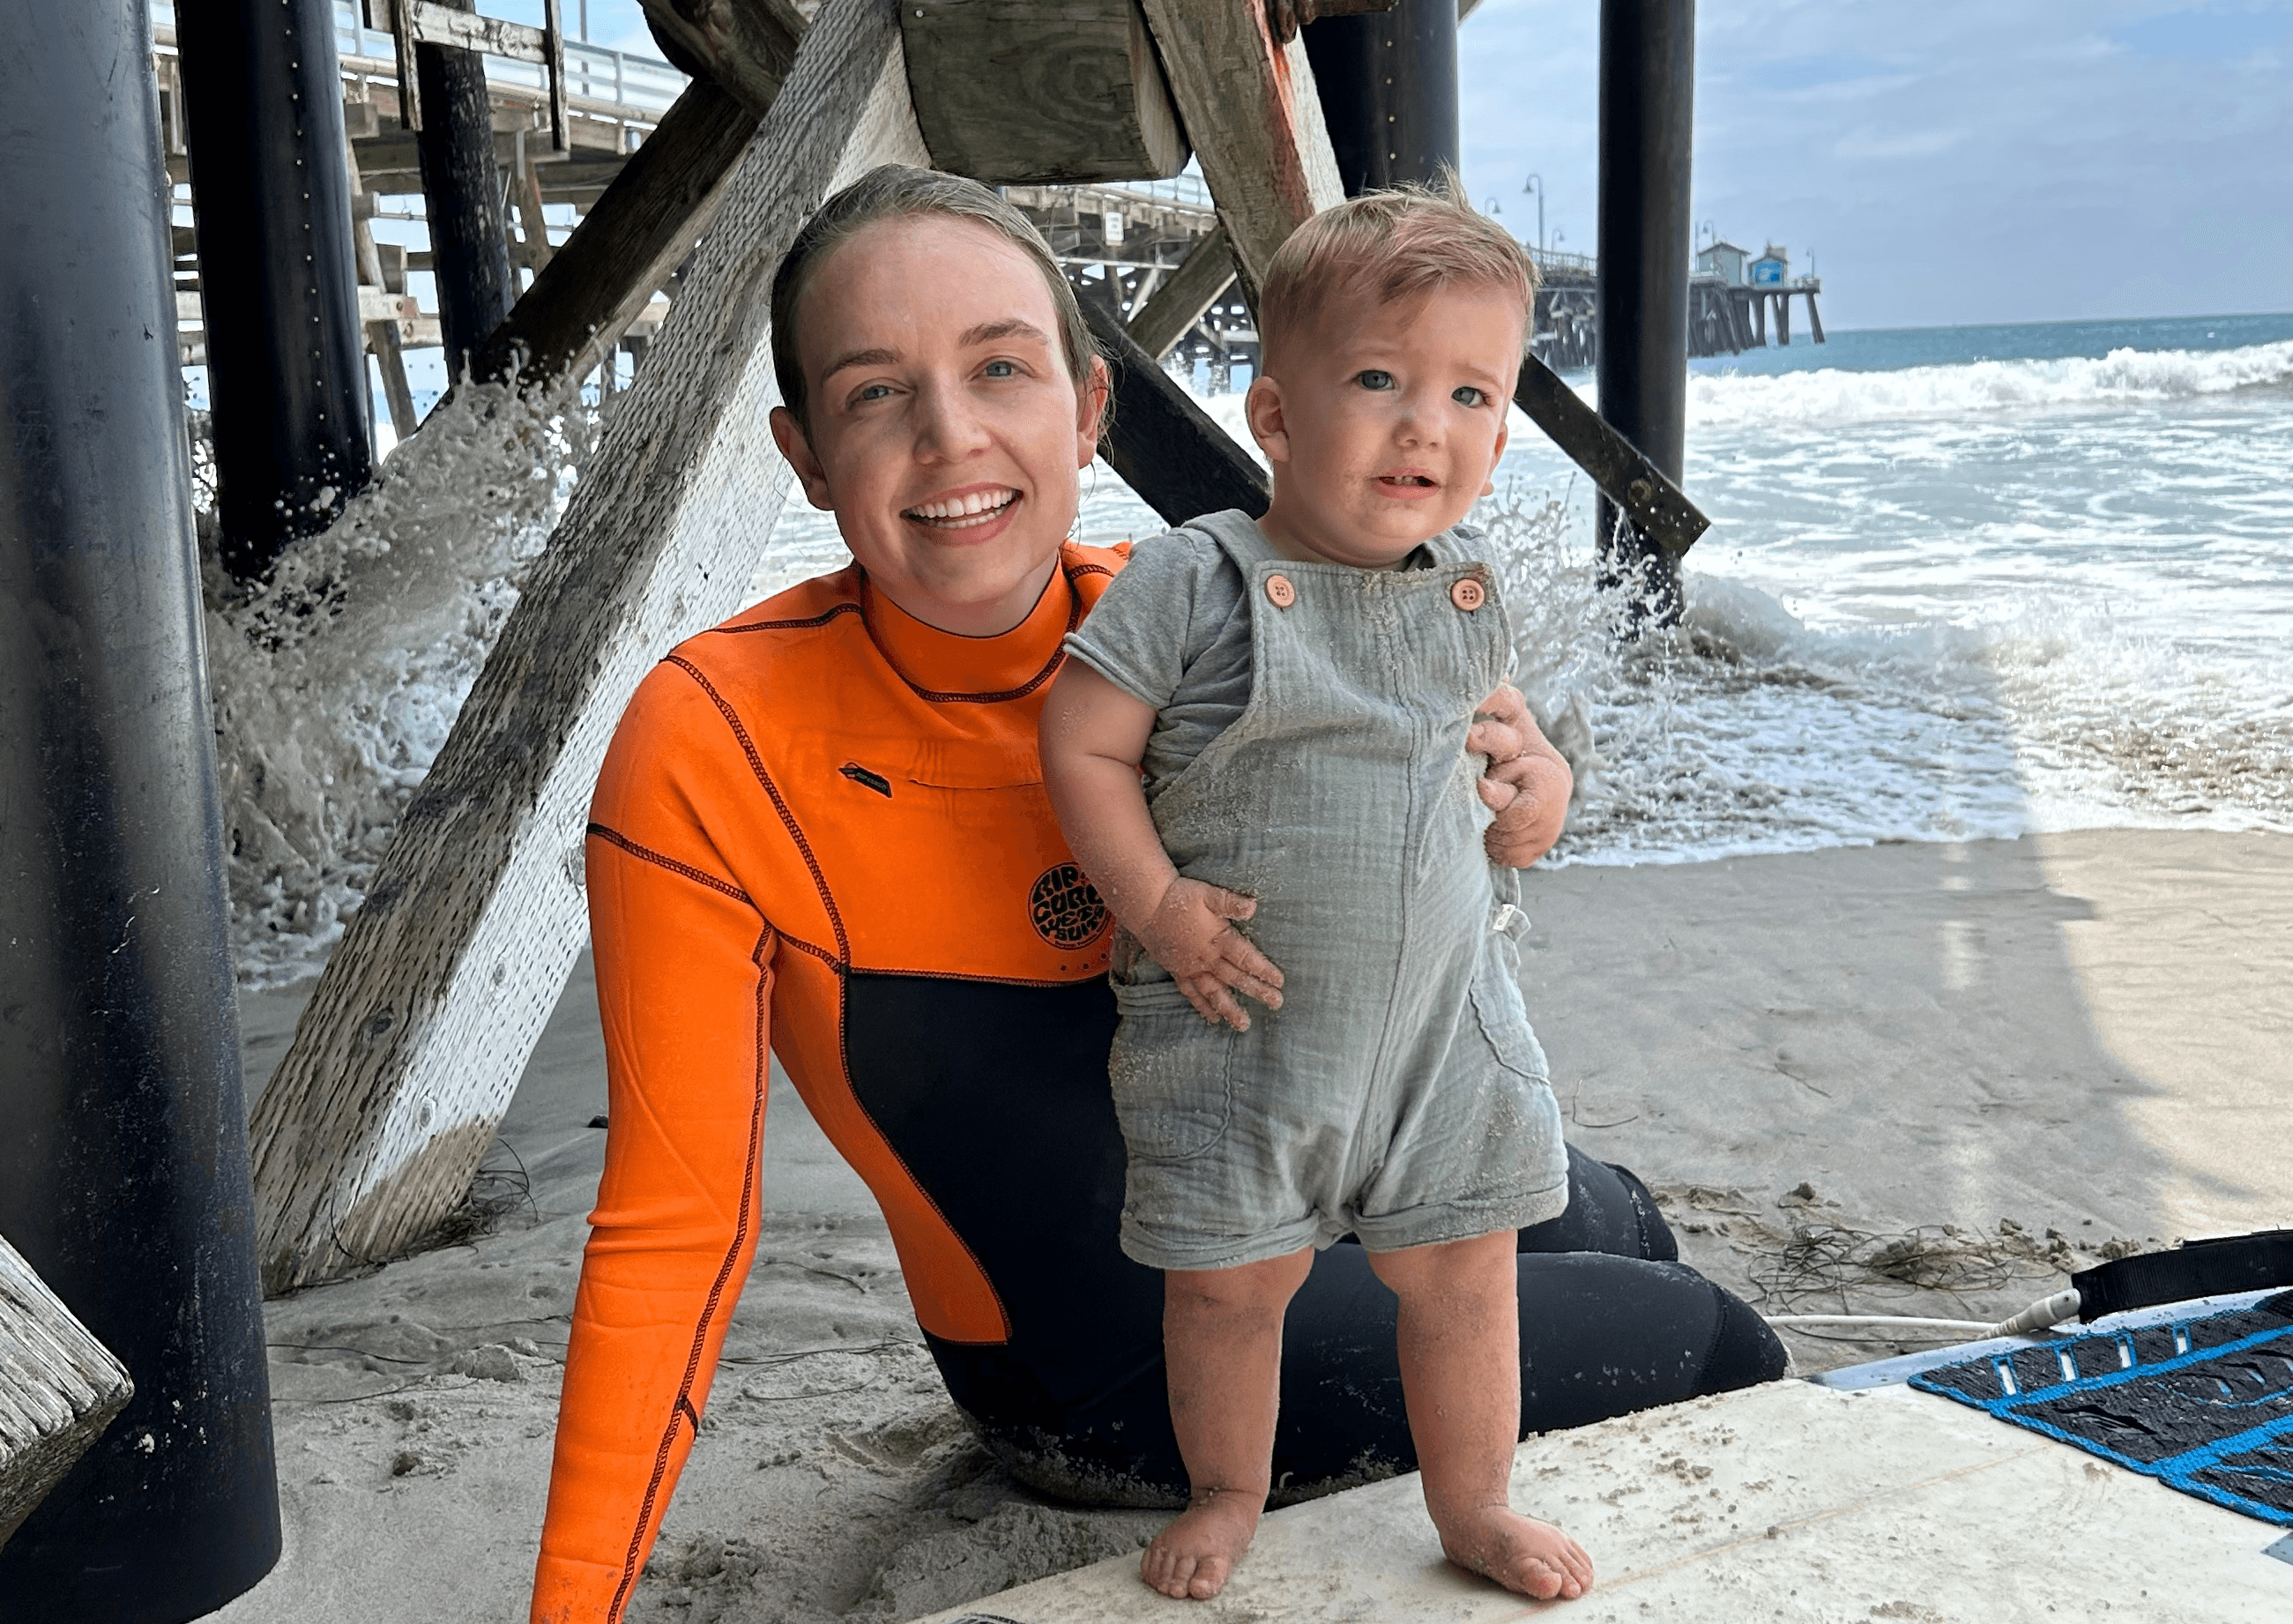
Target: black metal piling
{"x":1389,"y":92}
{"x":462,"y":193}
{"x":262,"y":102}
{"x":1647,"y":82}
{"x":123,"y":1149}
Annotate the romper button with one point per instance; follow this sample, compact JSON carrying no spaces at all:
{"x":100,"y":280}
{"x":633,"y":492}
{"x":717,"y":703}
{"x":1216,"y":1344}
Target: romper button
{"x":1280,"y":592}
{"x":1468,"y":594}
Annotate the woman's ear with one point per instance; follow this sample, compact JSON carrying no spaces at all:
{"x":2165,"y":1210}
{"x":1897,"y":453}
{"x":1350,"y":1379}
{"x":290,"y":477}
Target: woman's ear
{"x":1090,"y":411}
{"x":1261,"y":409}
{"x":788,"y":435}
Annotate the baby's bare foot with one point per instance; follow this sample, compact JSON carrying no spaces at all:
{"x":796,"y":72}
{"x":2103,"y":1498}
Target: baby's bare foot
{"x":1193,"y":1557}
{"x":1519,"y":1553}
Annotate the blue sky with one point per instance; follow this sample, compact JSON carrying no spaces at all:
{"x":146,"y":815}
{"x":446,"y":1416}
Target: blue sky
{"x":1947,"y":161}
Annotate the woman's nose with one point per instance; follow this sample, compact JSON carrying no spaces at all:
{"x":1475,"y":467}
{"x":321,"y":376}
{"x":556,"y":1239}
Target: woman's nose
{"x":948,"y":424}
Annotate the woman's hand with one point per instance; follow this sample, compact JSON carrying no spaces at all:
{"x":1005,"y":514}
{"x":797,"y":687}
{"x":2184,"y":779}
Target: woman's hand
{"x":1191,"y":934}
{"x":1528,"y":784}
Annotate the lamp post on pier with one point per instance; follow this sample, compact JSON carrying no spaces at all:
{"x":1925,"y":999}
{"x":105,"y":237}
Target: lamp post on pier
{"x":1535,"y":184}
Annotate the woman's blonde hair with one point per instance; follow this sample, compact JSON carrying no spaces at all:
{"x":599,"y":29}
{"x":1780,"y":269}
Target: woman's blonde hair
{"x":1396,"y":244}
{"x":896,"y":192}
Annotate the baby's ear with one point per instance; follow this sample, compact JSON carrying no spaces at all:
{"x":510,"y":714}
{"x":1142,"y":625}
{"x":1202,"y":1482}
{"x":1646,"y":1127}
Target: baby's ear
{"x":1261,"y":409}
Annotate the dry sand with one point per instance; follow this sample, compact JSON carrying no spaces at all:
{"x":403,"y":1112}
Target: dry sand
{"x":2091,"y":1033}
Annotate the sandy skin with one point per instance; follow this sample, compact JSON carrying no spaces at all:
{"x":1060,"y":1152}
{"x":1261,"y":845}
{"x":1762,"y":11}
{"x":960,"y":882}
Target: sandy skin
{"x":1460,"y":1375}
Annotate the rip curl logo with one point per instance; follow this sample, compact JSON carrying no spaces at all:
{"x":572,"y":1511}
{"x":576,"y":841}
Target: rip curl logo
{"x":1066,"y":906}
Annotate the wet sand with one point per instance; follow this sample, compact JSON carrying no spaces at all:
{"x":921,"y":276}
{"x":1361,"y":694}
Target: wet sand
{"x":2089,"y":1033}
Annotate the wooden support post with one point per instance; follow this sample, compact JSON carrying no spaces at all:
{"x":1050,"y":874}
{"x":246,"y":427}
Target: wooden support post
{"x":657,"y":207}
{"x":1783,"y":319}
{"x":1250,"y":108}
{"x":1199,"y":281}
{"x":381,"y":336}
{"x":531,"y":222}
{"x":469,"y":239}
{"x":63,"y":1390}
{"x":412,"y":1043}
{"x":1015,"y":92}
{"x":1166,"y":448}
{"x":1814,"y":320}
{"x":1758,"y":303}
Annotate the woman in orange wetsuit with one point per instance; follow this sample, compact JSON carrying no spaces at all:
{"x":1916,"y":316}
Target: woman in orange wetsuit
{"x":820,"y":833}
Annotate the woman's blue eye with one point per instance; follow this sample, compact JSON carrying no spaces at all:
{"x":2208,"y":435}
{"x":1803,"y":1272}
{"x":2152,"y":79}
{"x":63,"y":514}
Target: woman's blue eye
{"x":1001,"y":369}
{"x":1374,"y":379}
{"x":1465,"y":394}
{"x":873,"y":392}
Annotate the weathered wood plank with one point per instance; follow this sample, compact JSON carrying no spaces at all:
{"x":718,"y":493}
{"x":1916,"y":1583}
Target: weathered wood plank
{"x":1199,"y":281}
{"x":1014,"y":91}
{"x":58,"y":1389}
{"x":1251,"y":112}
{"x":1658,"y":507}
{"x":626,"y":246}
{"x":747,"y":46}
{"x":649,"y":219}
{"x":1166,"y":446}
{"x":410,"y":1048}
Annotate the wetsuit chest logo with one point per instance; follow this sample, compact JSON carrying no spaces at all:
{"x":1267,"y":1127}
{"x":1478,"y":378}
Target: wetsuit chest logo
{"x":1066,"y":906}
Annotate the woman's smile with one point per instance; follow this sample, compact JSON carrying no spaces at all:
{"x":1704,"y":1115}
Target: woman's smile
{"x":975,"y":508}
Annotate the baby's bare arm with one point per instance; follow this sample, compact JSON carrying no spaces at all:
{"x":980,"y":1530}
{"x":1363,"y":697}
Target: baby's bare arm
{"x":1092,"y":735}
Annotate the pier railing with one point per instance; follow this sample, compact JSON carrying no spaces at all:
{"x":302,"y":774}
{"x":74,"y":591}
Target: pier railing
{"x":618,"y":83}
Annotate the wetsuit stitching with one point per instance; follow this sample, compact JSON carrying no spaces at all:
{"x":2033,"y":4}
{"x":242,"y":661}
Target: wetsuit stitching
{"x":788,"y":818}
{"x":821,"y":953}
{"x":682,"y":1409}
{"x":1050,"y":666}
{"x":954,"y":975}
{"x":805,"y":624}
{"x":647,"y":854}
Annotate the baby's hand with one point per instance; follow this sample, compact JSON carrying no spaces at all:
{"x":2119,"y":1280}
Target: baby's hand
{"x":1189,"y":936}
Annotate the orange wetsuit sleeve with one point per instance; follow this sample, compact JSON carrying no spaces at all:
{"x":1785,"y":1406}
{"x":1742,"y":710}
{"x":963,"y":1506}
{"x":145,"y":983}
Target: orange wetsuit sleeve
{"x":685,"y":976}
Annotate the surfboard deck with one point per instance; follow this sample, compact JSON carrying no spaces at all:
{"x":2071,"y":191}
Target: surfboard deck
{"x":1790,"y":1502}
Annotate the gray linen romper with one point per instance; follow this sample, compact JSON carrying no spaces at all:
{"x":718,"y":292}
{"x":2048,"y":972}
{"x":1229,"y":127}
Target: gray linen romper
{"x":1399,"y":1093}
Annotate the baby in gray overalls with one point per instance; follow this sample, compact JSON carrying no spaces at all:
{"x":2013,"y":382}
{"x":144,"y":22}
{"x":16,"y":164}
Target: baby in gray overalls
{"x":1266,"y":722}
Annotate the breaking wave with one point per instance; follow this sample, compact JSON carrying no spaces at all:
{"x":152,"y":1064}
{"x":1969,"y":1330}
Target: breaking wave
{"x":1829,"y":397}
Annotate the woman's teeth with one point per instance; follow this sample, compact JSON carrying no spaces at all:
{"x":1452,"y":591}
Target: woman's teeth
{"x":962,"y":512}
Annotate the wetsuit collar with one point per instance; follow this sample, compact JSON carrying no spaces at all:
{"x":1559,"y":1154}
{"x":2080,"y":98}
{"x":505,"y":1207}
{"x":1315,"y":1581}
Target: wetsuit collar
{"x":944,"y":664}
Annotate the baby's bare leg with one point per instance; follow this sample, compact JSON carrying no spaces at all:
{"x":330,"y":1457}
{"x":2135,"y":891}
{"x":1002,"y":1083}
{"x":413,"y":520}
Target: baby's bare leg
{"x":1222,"y":1343}
{"x":1460,"y":1337}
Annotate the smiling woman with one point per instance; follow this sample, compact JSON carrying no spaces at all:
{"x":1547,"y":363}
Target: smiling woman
{"x":821,"y":833}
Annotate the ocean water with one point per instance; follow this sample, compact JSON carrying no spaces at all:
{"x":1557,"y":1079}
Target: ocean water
{"x":1960,"y":582}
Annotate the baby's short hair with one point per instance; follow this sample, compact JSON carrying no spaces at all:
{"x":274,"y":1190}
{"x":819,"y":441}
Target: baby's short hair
{"x":1396,"y":243}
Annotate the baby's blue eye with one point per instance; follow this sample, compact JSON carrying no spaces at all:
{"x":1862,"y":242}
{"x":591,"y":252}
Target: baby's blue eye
{"x":1465,"y":394}
{"x":1374,"y":379}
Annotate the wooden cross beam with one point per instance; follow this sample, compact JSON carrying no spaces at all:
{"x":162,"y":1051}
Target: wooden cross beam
{"x":408,"y":1052}
{"x":61,"y":1389}
{"x":648,"y":220}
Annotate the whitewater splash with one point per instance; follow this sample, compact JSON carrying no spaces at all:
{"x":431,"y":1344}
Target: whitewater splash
{"x":335,"y":682}
{"x":1833,"y":398}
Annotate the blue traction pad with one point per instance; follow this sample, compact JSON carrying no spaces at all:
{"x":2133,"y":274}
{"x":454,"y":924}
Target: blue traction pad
{"x":2202,"y":1405}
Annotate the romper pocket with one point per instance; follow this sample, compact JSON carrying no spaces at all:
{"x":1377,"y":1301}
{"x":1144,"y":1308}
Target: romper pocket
{"x":1504,"y":1018}
{"x":1172,"y":1073}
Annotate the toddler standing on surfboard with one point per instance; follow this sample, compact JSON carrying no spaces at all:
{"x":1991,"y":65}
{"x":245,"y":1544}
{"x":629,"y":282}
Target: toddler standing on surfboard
{"x":1266,"y":722}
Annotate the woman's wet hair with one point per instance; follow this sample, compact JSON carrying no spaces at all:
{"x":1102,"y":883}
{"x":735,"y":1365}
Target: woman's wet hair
{"x":896,"y":192}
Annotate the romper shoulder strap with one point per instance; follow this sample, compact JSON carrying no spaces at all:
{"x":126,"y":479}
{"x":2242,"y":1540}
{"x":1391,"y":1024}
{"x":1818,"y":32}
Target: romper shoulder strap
{"x":1237,"y":534}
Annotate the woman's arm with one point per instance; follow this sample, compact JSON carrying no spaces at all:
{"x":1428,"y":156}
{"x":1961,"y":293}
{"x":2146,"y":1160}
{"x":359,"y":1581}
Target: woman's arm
{"x":684,"y":980}
{"x":1091,"y":738}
